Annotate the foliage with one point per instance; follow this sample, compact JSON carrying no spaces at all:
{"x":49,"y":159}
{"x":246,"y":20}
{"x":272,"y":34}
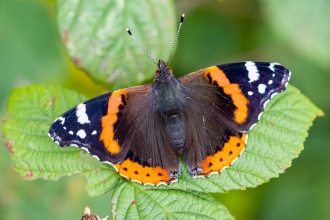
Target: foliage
{"x":273,"y":143}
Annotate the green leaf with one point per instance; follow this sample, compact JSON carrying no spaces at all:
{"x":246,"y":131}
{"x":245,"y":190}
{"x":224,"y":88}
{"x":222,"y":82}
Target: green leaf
{"x":304,"y":25}
{"x":101,"y":181}
{"x":272,"y":144}
{"x":33,"y":154}
{"x":133,"y":201}
{"x":95,"y":37}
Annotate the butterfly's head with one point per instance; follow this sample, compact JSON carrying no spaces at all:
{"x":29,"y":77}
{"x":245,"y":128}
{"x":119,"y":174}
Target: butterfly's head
{"x":164,"y":73}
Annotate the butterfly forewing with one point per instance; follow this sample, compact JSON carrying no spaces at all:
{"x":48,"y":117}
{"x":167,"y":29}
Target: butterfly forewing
{"x":119,"y":128}
{"x":237,"y":92}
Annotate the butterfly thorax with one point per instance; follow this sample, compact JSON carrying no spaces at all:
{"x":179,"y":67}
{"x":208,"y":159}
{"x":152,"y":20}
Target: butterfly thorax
{"x":167,"y":89}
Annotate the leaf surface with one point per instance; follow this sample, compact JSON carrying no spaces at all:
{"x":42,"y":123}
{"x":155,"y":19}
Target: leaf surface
{"x":95,"y":37}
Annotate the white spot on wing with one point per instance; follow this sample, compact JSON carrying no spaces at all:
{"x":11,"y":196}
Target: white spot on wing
{"x":253,"y":73}
{"x":270,"y":82}
{"x":261,"y":88}
{"x":81,"y":133}
{"x":71,"y":132}
{"x":94,"y":132}
{"x":271,"y":67}
{"x":250,"y":92}
{"x":81,"y":114}
{"x":61,"y":119}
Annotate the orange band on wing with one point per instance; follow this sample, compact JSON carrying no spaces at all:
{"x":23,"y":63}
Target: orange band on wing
{"x":233,"y":90}
{"x":224,"y":158}
{"x":144,"y":174}
{"x":109,"y":120}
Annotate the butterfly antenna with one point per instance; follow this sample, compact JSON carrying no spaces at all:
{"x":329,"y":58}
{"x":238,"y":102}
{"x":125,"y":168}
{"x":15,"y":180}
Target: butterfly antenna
{"x":130,"y":33}
{"x":176,"y":38}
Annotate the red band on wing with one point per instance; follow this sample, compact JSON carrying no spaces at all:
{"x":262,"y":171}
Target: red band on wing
{"x":224,"y":158}
{"x":144,"y":174}
{"x":109,"y":120}
{"x":233,"y":90}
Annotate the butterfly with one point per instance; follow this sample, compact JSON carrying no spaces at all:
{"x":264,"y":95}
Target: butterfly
{"x":203,"y":117}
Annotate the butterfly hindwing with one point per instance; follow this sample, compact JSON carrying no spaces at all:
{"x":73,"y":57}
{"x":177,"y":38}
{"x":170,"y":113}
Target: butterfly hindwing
{"x":150,"y":158}
{"x":211,"y":145}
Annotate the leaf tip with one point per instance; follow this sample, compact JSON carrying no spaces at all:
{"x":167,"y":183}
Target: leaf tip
{"x":320,"y":113}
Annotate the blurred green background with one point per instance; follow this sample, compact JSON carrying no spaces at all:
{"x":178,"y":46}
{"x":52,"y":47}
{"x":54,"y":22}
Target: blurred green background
{"x":295,"y":33}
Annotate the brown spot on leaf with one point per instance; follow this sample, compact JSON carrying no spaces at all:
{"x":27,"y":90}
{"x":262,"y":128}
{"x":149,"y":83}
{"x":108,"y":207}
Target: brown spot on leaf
{"x":9,"y":146}
{"x":28,"y":174}
{"x":51,"y":102}
{"x":65,"y":36}
{"x":77,"y":61}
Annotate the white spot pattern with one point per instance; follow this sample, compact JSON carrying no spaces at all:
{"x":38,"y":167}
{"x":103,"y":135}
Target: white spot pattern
{"x":250,"y":92}
{"x":61,"y":119}
{"x":81,"y":114}
{"x":261,"y":88}
{"x":94,"y":132}
{"x":270,"y":82}
{"x":81,"y":133}
{"x":253,"y":73}
{"x":71,"y":132}
{"x":271,"y":67}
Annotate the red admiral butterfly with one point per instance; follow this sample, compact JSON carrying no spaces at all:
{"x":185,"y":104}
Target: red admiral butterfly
{"x":203,"y":117}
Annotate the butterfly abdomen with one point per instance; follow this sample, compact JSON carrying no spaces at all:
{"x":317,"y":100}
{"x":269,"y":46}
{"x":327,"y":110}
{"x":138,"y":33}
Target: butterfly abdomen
{"x":175,"y":130}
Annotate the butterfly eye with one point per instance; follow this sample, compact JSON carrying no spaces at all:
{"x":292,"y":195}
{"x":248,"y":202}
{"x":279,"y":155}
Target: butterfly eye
{"x":157,"y":73}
